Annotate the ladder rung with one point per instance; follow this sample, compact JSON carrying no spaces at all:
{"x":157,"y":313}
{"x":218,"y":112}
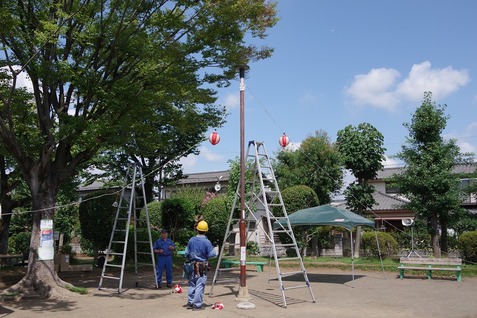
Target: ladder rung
{"x":288,"y":258}
{"x":224,"y":281}
{"x":121,"y":242}
{"x":294,"y":287}
{"x":122,"y":219}
{"x":290,"y":273}
{"x":113,"y":265}
{"x":112,"y":277}
{"x":285,"y":245}
{"x":115,"y":253}
{"x":281,"y":231}
{"x":144,"y":264}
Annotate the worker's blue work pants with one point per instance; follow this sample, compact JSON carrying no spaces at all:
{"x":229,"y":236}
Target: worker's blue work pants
{"x":164,"y":262}
{"x":195,"y":295}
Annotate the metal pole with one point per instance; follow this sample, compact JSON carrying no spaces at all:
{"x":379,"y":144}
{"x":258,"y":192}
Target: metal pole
{"x":243,"y":291}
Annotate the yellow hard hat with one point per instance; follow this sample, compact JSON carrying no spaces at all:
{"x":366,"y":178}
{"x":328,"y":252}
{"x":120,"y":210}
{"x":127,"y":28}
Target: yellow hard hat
{"x":202,"y":226}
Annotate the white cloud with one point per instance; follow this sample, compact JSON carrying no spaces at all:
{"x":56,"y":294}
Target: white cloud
{"x":210,"y":156}
{"x":189,"y":162}
{"x":231,"y":101}
{"x":375,"y":88}
{"x":192,"y":162}
{"x":23,"y":81}
{"x":441,"y":82}
{"x":309,"y":97}
{"x":466,"y":147}
{"x":389,"y":162}
{"x":379,"y":88}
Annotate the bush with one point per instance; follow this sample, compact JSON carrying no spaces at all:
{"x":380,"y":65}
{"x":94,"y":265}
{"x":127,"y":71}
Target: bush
{"x":388,"y":246}
{"x":154,"y":209}
{"x":178,"y":218}
{"x":19,"y":243}
{"x":467,"y":245}
{"x":216,"y":213}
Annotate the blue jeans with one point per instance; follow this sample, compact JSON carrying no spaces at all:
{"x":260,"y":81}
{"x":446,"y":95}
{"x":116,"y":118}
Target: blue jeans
{"x":164,"y":262}
{"x":195,"y":295}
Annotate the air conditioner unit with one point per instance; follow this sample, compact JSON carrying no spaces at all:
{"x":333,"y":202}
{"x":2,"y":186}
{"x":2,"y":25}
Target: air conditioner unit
{"x":407,"y":222}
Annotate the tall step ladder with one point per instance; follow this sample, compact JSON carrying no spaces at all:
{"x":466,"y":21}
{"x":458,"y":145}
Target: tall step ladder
{"x":131,"y":203}
{"x":265,"y":208}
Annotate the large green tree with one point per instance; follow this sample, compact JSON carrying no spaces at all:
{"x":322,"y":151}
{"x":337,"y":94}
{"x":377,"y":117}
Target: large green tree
{"x":315,"y":164}
{"x":362,"y":152}
{"x":428,"y":181}
{"x":101,"y":69}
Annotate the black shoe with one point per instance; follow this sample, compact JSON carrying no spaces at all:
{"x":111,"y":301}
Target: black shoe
{"x":195,"y":308}
{"x":168,"y":285}
{"x":189,"y":306}
{"x":159,"y":285}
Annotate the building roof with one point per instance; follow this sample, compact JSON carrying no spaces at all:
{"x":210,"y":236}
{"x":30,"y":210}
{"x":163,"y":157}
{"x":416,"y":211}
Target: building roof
{"x":388,"y":202}
{"x":389,"y":172}
{"x":384,"y":202}
{"x":204,"y":177}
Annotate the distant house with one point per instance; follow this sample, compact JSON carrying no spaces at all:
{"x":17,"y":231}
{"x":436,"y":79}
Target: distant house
{"x":215,"y":181}
{"x":389,"y":209}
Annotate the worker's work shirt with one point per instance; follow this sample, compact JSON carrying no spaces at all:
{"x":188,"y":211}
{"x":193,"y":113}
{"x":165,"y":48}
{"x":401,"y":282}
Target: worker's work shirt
{"x":199,"y":249}
{"x":164,"y":244}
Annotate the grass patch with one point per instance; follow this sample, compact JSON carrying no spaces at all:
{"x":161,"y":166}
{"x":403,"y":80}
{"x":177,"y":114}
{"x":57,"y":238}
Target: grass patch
{"x":78,"y":290}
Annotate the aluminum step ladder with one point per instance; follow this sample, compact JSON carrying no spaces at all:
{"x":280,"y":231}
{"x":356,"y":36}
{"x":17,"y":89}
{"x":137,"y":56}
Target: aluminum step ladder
{"x":130,"y":205}
{"x":264,"y":207}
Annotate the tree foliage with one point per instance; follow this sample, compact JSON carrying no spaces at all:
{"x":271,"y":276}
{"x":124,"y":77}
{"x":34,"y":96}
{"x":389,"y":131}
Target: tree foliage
{"x":362,"y":152}
{"x":296,"y":198}
{"x":96,"y":215}
{"x":428,"y":181}
{"x":315,"y":164}
{"x":100,"y":72}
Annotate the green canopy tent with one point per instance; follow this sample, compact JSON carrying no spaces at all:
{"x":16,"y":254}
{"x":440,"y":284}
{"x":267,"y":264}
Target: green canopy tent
{"x":327,"y":215}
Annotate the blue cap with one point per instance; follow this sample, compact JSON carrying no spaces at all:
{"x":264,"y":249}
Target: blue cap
{"x":163,"y":231}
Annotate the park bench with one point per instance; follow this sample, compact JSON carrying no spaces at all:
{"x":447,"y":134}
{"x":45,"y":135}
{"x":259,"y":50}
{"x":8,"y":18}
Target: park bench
{"x":12,"y":259}
{"x":228,"y":264}
{"x":431,"y":264}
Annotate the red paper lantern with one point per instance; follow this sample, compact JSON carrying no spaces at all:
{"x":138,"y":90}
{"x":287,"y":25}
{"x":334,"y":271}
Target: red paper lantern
{"x":284,"y":140}
{"x":214,"y":138}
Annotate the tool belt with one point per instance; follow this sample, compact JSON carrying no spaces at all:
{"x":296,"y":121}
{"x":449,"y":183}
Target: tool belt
{"x":201,"y":268}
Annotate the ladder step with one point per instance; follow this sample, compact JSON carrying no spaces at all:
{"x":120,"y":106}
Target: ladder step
{"x":114,"y":265}
{"x":120,"y":242}
{"x":144,"y":264}
{"x":112,"y":277}
{"x":295,"y":287}
{"x":288,"y":258}
{"x":116,"y":253}
{"x":290,"y":273}
{"x":226,"y":281}
{"x":285,"y":245}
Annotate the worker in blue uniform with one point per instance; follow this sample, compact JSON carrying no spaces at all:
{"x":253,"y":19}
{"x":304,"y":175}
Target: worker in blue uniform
{"x":199,"y":249}
{"x":163,"y":248}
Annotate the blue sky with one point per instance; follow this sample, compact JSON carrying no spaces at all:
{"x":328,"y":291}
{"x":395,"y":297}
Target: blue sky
{"x":339,"y":63}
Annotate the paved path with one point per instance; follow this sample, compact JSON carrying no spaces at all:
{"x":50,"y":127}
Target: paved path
{"x":371,"y":294}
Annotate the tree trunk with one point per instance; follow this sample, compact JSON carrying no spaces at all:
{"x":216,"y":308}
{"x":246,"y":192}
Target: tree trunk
{"x":41,"y":277}
{"x":357,"y":243}
{"x":444,"y":237}
{"x":435,"y":236}
{"x":4,"y":228}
